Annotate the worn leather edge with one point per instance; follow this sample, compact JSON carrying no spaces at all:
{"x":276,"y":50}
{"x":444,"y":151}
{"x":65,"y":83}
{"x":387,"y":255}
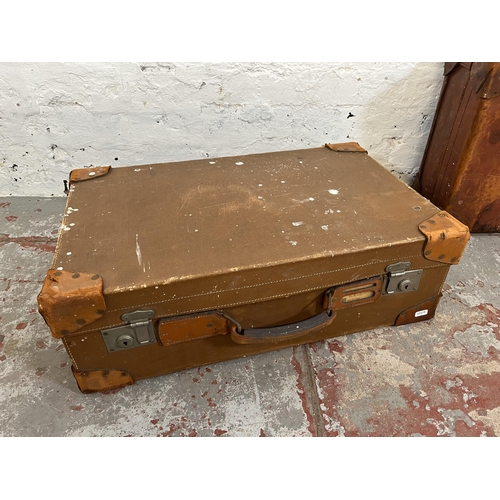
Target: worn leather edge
{"x":90,"y":381}
{"x":485,"y":79}
{"x":85,"y":174}
{"x":449,"y":67}
{"x":69,"y":301}
{"x":446,"y":238}
{"x":349,"y":147}
{"x":409,"y":314}
{"x":416,"y":184}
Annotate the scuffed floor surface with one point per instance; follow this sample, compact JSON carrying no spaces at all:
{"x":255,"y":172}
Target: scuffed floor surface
{"x":435,"y":378}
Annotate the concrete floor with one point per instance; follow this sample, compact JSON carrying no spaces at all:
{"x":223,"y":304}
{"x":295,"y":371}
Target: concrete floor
{"x":435,"y":378}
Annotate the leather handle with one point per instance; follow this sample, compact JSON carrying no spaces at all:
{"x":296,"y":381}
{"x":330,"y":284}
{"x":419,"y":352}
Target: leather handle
{"x":283,"y":332}
{"x":353,"y":294}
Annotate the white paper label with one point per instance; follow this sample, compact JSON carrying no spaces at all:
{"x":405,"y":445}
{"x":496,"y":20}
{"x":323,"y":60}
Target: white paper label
{"x":423,"y":312}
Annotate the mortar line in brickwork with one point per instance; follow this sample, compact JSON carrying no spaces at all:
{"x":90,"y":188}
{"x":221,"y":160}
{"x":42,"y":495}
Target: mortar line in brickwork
{"x":311,"y":393}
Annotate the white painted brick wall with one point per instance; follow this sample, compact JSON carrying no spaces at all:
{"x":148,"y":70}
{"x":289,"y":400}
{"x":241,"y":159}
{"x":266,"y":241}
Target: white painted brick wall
{"x":55,"y":117}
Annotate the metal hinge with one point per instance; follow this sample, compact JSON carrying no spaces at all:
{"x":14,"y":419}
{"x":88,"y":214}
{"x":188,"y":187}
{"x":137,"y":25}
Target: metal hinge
{"x":138,"y":332}
{"x":400,"y":280}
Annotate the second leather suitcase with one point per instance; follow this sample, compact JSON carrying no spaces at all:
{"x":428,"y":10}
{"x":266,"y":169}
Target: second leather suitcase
{"x":460,"y":171}
{"x":164,"y":267}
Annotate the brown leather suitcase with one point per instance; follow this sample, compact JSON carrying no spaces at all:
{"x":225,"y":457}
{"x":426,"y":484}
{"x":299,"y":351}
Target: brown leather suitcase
{"x":160,"y":268}
{"x":460,"y":170}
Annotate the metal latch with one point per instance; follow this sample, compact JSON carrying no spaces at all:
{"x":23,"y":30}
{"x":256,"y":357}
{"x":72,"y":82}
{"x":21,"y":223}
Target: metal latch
{"x":138,"y":332}
{"x":400,"y":280}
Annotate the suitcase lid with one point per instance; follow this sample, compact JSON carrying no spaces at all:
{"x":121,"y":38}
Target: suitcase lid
{"x":147,"y":225}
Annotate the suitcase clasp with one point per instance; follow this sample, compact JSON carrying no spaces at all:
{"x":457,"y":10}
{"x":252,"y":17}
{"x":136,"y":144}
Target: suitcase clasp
{"x":139,"y":331}
{"x":400,"y":280}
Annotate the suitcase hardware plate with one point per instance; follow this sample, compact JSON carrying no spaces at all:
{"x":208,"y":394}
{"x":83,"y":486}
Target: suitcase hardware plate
{"x":137,"y":333}
{"x":400,"y":280}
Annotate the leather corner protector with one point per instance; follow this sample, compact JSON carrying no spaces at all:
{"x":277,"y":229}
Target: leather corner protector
{"x":70,"y":300}
{"x":420,"y":312}
{"x":349,"y":147}
{"x":446,"y":238}
{"x":101,"y":380}
{"x":84,"y":174}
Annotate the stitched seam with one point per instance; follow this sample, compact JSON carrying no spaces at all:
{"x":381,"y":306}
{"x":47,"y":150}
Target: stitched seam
{"x":223,"y":306}
{"x":444,"y":279}
{"x":70,"y":354}
{"x":205,"y":315}
{"x":263,"y":284}
{"x":189,"y":340}
{"x":202,"y":315}
{"x":234,"y":303}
